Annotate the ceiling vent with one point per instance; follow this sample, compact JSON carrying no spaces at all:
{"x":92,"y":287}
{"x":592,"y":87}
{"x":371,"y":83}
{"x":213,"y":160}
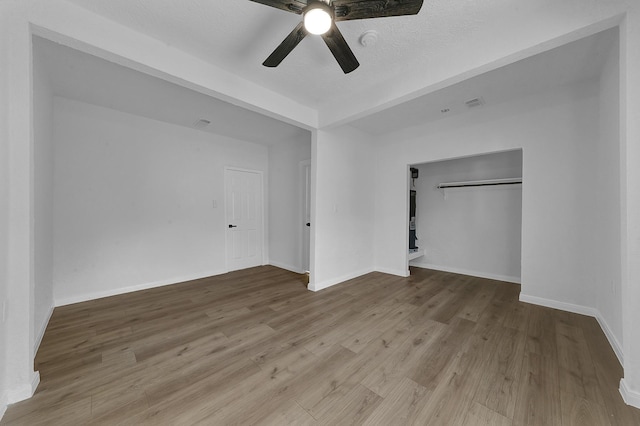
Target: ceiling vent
{"x":475,"y":102}
{"x":202,"y":123}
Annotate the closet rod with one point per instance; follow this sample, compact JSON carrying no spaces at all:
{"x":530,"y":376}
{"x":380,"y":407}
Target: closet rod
{"x":492,"y":182}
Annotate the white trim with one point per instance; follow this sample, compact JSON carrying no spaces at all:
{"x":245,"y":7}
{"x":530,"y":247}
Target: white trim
{"x":305,"y":249}
{"x":25,"y":391}
{"x":396,"y":272}
{"x":630,"y":397}
{"x":286,"y":267}
{"x":506,"y":278}
{"x":42,"y":330}
{"x":130,"y":289}
{"x":582,"y":310}
{"x":3,"y":404}
{"x":329,"y":283}
{"x":613,"y":341}
{"x":563,"y":306}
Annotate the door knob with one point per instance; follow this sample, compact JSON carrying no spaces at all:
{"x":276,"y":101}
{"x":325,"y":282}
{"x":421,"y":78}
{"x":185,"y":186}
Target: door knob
{"x":233,"y":226}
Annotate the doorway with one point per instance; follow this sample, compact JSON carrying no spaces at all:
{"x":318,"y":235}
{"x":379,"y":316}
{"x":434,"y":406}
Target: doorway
{"x":468,"y":215}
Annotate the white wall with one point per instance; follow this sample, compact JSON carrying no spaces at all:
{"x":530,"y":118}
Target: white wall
{"x":4,"y":215}
{"x":43,"y":200}
{"x":285,"y":202}
{"x":607,"y":193}
{"x":630,"y":208}
{"x":20,"y":379}
{"x":134,"y":200}
{"x":557,"y":131}
{"x":342,"y":214}
{"x":475,"y":231}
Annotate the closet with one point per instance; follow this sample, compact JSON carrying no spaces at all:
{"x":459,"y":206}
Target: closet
{"x":468,"y":215}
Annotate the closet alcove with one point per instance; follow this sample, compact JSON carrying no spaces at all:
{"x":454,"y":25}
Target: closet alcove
{"x":468,"y":215}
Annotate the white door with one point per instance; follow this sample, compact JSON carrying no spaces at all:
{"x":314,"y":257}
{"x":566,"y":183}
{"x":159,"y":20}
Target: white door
{"x":305,"y":170}
{"x":244,"y":214}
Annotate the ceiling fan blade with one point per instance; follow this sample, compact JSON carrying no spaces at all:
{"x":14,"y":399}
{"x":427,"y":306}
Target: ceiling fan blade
{"x":340,"y":49}
{"x":294,"y":6}
{"x":364,"y":9}
{"x":287,"y":45}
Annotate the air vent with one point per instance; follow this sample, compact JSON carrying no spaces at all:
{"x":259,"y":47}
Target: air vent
{"x":202,"y":123}
{"x":475,"y":102}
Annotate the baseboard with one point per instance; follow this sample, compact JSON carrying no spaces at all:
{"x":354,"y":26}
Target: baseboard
{"x":613,"y":341}
{"x":505,"y":278}
{"x":3,"y":404}
{"x":329,"y":283}
{"x":43,"y":328}
{"x":25,"y":391}
{"x":563,"y":306}
{"x":397,"y":272}
{"x":582,"y":310}
{"x":130,"y":289}
{"x":286,"y":267}
{"x":630,"y":397}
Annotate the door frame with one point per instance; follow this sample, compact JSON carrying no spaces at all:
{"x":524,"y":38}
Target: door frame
{"x":305,"y":249}
{"x":263,"y":212}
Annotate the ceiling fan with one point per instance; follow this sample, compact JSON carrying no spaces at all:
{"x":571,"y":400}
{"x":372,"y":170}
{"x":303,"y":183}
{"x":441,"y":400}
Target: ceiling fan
{"x":320,"y":17}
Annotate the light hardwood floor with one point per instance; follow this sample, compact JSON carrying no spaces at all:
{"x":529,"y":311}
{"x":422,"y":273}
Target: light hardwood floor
{"x":255,"y":347}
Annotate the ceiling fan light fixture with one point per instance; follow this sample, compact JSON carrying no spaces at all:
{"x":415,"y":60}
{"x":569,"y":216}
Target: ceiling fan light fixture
{"x":317,"y":19}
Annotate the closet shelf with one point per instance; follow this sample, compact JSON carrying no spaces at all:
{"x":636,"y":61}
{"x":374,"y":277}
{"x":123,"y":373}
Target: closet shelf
{"x":488,"y":182}
{"x":415,"y":254}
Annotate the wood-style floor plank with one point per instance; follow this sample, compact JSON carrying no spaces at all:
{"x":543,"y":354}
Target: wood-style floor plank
{"x":400,"y":406}
{"x":255,"y":347}
{"x":537,"y":400}
{"x":356,"y":406}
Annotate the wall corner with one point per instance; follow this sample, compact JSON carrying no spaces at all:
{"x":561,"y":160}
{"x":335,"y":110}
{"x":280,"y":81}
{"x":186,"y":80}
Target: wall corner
{"x":25,"y":390}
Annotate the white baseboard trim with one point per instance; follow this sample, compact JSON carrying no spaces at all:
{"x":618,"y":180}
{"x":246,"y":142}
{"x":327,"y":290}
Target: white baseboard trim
{"x":582,"y":310}
{"x":613,"y":341}
{"x":630,"y":397}
{"x":25,"y":391}
{"x":563,"y":306}
{"x":506,"y":278}
{"x":43,"y":328}
{"x":286,"y":267}
{"x":396,"y":272}
{"x":329,"y":283}
{"x":130,"y":289}
{"x":3,"y":404}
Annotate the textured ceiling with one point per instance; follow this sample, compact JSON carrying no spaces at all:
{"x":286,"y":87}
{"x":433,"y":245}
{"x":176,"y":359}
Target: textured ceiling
{"x":80,"y":76}
{"x":237,"y":35}
{"x":83,"y":77}
{"x":400,"y":77}
{"x":581,"y":60}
